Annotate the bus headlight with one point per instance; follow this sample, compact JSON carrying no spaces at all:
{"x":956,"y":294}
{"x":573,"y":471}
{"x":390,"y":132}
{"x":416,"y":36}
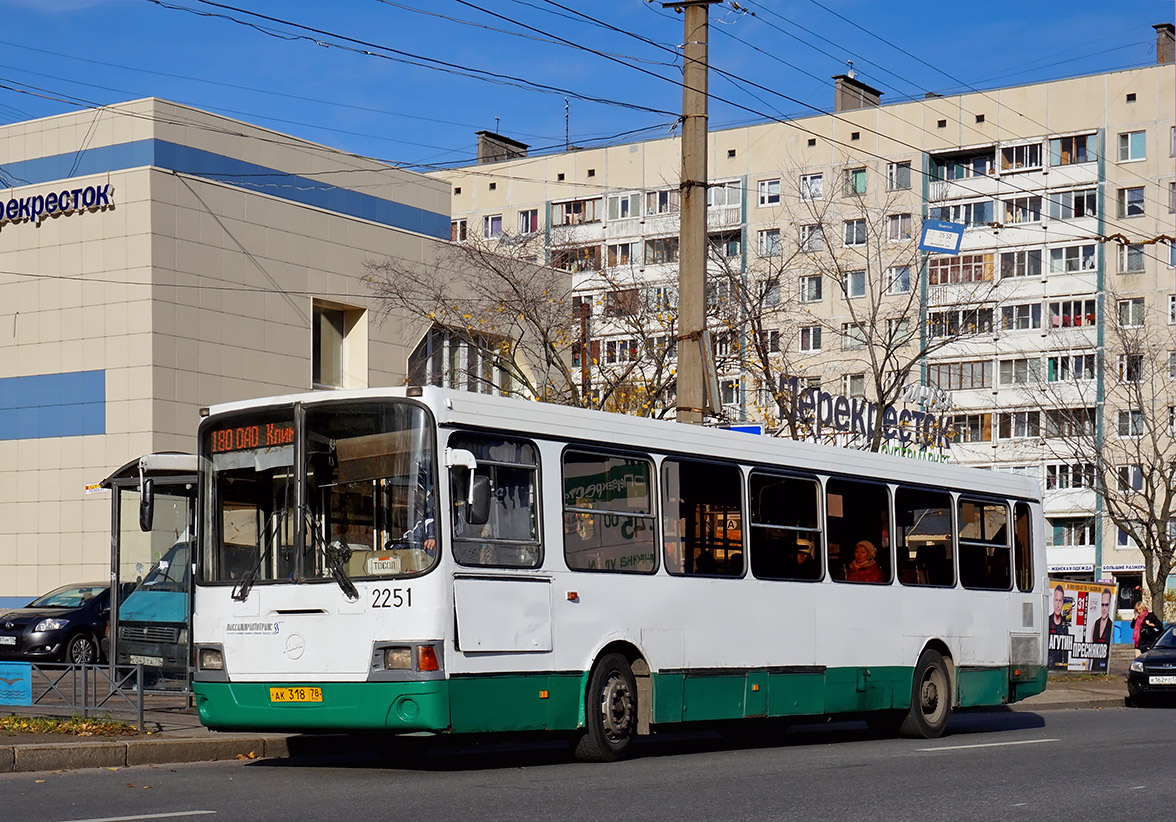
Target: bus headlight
{"x":398,"y":659}
{"x":210,"y":659}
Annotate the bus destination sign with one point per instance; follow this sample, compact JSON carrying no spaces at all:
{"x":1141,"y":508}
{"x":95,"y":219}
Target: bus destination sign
{"x":249,"y":437}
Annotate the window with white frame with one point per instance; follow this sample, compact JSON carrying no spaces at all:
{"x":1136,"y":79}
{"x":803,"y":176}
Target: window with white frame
{"x":1020,"y":371}
{"x":812,"y":186}
{"x":575,"y":212}
{"x":855,"y":284}
{"x":970,"y":214}
{"x":1072,"y":531}
{"x":666,"y":201}
{"x":1026,"y":263}
{"x":1070,"y":368}
{"x":971,"y":427}
{"x":1032,"y":471}
{"x":1132,"y":146}
{"x":964,"y":165}
{"x":1070,"y":422}
{"x":1020,"y":158}
{"x":728,"y":244}
{"x":1131,"y":202}
{"x":855,"y":232}
{"x":853,"y":385}
{"x":769,"y":192}
{"x":724,"y":195}
{"x":772,"y":293}
{"x":810,"y":288}
{"x":770,"y":341}
{"x":528,"y":221}
{"x":718,"y":293}
{"x":1130,"y":422}
{"x":1070,"y":205}
{"x":1021,"y":317}
{"x":898,"y":176}
{"x":1123,"y":540}
{"x":810,"y":338}
{"x":1131,"y":312}
{"x":1066,"y":151}
{"x":1072,"y":259}
{"x":1172,"y":309}
{"x":621,"y":254}
{"x":492,"y":226}
{"x":729,"y":388}
{"x":458,"y":232}
{"x":1022,"y":210}
{"x":1130,"y":478}
{"x":768,"y":243}
{"x":1172,"y":197}
{"x":1020,"y":424}
{"x":898,"y":331}
{"x":623,"y":206}
{"x":663,"y":298}
{"x":458,"y":360}
{"x":898,"y":279}
{"x":1073,"y":313}
{"x":898,"y":227}
{"x":1061,"y":476}
{"x":812,"y":238}
{"x":853,"y":336}
{"x":1130,"y":367}
{"x":855,"y":182}
{"x":1131,"y":258}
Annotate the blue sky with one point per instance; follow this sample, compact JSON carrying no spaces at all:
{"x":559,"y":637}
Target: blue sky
{"x":61,"y":55}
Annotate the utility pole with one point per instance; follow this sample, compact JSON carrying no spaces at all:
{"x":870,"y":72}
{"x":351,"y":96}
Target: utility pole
{"x":691,"y":381}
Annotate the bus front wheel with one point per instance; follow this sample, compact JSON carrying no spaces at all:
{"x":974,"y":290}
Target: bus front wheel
{"x":610,"y":711}
{"x":930,"y":699}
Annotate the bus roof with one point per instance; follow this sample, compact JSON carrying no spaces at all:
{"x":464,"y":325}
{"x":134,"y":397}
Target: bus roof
{"x":544,"y":420}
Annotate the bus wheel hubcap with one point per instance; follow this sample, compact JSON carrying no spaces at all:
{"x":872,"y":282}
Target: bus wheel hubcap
{"x":616,"y":708}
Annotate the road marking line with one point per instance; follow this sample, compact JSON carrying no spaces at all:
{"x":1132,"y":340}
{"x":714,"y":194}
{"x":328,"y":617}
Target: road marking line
{"x":171,"y":815}
{"x":988,"y":745}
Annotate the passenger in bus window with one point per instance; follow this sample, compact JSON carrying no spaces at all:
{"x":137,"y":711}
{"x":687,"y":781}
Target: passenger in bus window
{"x":864,"y":567}
{"x":806,"y":565}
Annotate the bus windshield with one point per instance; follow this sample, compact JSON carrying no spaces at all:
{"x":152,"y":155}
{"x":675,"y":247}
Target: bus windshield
{"x":367,"y":502}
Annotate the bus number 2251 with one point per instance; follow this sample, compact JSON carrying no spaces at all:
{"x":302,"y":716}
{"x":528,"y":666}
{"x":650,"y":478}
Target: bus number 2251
{"x":392,"y":598}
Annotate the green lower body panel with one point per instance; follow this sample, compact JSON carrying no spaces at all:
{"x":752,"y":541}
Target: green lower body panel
{"x":403,"y":707}
{"x":555,"y":701}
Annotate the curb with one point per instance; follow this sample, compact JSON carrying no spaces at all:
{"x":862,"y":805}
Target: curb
{"x":53,"y":756}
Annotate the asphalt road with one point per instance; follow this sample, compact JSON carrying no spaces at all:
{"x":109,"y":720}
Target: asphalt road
{"x":1109,"y":763}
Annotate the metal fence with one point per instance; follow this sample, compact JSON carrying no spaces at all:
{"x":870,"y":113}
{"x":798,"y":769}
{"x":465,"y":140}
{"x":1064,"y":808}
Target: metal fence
{"x":89,"y":688}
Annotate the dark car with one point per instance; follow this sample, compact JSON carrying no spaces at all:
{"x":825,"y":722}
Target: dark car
{"x":1153,"y":674}
{"x":65,"y":625}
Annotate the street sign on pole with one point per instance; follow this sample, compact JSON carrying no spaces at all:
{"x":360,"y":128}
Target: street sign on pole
{"x":941,"y":236}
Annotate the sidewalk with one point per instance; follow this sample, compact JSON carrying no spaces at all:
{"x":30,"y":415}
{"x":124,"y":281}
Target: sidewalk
{"x":174,"y":733}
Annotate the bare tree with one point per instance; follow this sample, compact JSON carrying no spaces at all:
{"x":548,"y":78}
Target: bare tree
{"x":844,"y":269}
{"x":1124,"y":441}
{"x":497,"y":299}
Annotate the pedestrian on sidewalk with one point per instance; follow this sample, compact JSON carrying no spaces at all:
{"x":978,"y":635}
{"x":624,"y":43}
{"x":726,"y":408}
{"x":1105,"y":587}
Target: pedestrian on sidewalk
{"x":1146,"y":628}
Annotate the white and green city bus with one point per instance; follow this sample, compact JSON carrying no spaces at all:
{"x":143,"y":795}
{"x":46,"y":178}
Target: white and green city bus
{"x":421,"y":560}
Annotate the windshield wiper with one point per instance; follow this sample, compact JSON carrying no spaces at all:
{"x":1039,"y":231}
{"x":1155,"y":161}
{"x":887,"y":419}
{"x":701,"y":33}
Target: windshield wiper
{"x":335,"y":554}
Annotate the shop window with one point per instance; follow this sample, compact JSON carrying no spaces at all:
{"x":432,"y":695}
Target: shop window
{"x":785,"y":527}
{"x":923,"y":529}
{"x":858,"y":517}
{"x":608,"y":520}
{"x":702,"y":518}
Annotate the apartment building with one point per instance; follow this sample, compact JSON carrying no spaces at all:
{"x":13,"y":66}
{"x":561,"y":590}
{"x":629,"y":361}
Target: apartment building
{"x":1053,"y":322}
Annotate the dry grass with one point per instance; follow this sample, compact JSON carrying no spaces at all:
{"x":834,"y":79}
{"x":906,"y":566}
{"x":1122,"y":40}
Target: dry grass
{"x":68,"y":726}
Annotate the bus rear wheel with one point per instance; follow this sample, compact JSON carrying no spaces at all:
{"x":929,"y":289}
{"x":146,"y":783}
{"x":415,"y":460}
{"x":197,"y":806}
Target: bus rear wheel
{"x":610,"y":711}
{"x":930,"y":699}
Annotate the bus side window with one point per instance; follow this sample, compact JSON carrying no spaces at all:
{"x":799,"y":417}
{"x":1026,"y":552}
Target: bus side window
{"x":608,"y":513}
{"x":984,"y":545}
{"x":702,"y":511}
{"x":510,"y":539}
{"x":923,"y":537}
{"x":785,"y":532}
{"x":858,"y":517}
{"x":1023,"y":545}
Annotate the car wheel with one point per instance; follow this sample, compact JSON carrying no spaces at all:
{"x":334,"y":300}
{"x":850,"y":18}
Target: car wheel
{"x":81,"y":650}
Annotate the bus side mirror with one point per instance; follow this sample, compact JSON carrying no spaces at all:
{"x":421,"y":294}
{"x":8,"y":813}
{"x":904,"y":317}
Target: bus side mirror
{"x":479,"y":505}
{"x":146,"y":504}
